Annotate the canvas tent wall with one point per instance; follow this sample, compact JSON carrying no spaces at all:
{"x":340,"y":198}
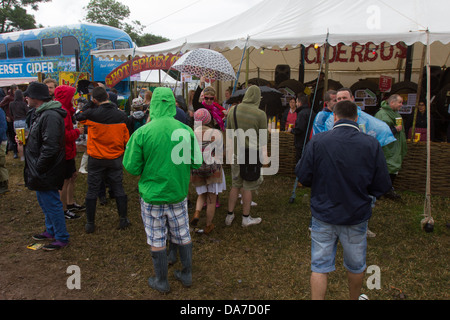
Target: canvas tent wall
{"x":279,"y":27}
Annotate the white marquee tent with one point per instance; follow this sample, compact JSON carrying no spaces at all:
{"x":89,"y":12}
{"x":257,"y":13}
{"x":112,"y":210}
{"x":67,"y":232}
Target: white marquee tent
{"x":273,"y":31}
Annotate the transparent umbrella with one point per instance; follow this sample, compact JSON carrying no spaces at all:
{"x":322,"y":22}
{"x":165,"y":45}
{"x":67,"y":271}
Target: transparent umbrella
{"x":205,"y":63}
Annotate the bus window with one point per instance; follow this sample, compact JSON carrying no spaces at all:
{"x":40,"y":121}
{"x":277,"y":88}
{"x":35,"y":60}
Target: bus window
{"x":2,"y":51}
{"x":15,"y":50}
{"x":70,"y":45}
{"x":121,"y":44}
{"x":32,"y":48}
{"x":51,"y":47}
{"x":103,"y":44}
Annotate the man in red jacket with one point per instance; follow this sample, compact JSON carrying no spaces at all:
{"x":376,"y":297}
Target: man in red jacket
{"x":64,"y":94}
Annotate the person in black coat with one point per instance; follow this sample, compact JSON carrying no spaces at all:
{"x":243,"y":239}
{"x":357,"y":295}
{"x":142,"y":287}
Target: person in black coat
{"x":421,"y":123}
{"x":45,"y":156}
{"x":303,"y":125}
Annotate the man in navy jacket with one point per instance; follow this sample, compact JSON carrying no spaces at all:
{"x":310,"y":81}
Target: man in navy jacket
{"x":343,"y":167}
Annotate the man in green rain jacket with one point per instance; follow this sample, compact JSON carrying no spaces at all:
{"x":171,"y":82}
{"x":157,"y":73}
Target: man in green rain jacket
{"x":162,"y":153}
{"x":395,"y":151}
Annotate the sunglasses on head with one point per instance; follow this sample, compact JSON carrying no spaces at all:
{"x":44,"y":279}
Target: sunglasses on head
{"x":209,"y":98}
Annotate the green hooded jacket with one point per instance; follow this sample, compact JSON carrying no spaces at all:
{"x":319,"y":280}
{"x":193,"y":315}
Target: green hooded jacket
{"x":395,"y":151}
{"x":162,"y":152}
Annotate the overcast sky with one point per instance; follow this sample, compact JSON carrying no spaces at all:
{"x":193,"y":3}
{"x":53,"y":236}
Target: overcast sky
{"x":171,"y":19}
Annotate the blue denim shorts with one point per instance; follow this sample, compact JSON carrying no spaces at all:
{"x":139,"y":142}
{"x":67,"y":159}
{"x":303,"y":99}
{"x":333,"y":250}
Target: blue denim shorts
{"x":324,"y":240}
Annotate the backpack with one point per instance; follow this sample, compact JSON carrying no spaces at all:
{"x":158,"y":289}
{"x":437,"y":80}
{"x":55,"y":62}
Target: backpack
{"x":206,"y":170}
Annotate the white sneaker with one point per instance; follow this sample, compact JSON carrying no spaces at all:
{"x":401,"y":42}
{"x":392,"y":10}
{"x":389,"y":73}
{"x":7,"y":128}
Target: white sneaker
{"x":371,"y":234}
{"x":253,"y":204}
{"x":82,"y":170}
{"x":229,"y":219}
{"x":248,"y":221}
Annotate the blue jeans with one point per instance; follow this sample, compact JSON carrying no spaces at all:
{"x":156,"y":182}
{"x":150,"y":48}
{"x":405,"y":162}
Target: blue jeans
{"x":55,"y":222}
{"x":324,"y":239}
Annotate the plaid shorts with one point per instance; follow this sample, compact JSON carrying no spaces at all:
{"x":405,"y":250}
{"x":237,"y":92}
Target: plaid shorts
{"x":166,"y":222}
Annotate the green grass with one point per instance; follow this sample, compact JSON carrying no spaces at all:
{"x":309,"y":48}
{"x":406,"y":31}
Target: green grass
{"x":270,"y":261}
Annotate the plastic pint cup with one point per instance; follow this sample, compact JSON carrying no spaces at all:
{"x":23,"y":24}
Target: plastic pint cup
{"x":417,"y":137}
{"x":398,"y":121}
{"x":20,"y":132}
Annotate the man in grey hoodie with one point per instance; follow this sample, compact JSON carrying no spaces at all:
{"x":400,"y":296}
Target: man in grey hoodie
{"x":249,"y":118}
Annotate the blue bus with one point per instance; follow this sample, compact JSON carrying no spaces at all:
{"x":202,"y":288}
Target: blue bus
{"x":23,"y":54}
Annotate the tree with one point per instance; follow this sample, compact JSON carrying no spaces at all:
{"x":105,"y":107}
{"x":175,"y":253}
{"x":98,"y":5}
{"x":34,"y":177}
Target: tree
{"x":14,"y":16}
{"x":149,"y":39}
{"x":113,"y":13}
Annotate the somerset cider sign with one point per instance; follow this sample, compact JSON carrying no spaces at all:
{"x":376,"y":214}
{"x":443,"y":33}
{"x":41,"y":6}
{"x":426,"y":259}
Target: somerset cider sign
{"x":139,"y":64}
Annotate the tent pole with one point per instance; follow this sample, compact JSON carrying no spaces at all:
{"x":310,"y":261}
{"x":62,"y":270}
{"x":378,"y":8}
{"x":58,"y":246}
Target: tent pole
{"x":419,"y":92}
{"x":325,"y":84}
{"x":409,"y":62}
{"x":428,"y":220}
{"x":301,"y":70}
{"x":247,"y":63}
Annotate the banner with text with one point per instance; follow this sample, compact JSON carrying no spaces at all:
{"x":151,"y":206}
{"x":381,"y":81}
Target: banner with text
{"x":139,"y":64}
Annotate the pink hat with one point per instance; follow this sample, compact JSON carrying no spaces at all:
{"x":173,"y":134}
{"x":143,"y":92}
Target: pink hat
{"x":202,"y":115}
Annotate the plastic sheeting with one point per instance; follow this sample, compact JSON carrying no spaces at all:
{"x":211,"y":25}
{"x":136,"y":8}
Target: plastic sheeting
{"x":367,"y":124}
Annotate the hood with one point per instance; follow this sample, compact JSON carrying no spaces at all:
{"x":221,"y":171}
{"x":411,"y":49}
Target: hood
{"x":52,"y":105}
{"x":138,"y":115}
{"x":387,"y":108}
{"x":385,"y":105}
{"x":252,"y":96}
{"x":64,"y":95}
{"x":162,"y":103}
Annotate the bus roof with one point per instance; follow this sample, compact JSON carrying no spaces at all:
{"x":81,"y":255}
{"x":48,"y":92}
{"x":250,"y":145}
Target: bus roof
{"x":90,"y":27}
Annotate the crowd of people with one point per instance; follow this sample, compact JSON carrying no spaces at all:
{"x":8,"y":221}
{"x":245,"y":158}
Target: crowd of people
{"x":346,"y":169}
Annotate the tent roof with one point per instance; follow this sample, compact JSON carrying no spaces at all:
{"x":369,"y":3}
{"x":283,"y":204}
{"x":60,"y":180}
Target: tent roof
{"x":153,"y":76}
{"x":289,"y":23}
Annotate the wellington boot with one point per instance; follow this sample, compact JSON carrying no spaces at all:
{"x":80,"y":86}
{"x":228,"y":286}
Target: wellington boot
{"x":83,"y":164}
{"x":160,"y":281}
{"x":172,"y":253}
{"x":91,"y":205}
{"x":185,"y":275}
{"x":122,"y":208}
{"x":4,"y":187}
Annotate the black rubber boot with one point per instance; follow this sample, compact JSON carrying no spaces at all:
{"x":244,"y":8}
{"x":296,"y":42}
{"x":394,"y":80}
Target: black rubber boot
{"x":4,"y":187}
{"x":172,"y":253}
{"x":160,"y":281}
{"x":90,"y":215}
{"x":122,"y":208}
{"x":185,"y":275}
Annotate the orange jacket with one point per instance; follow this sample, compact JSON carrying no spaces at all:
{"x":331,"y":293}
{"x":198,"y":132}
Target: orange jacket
{"x":108,"y":133}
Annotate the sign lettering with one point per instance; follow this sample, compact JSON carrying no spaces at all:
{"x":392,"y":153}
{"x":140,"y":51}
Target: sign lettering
{"x":139,"y":64}
{"x":368,"y":52}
